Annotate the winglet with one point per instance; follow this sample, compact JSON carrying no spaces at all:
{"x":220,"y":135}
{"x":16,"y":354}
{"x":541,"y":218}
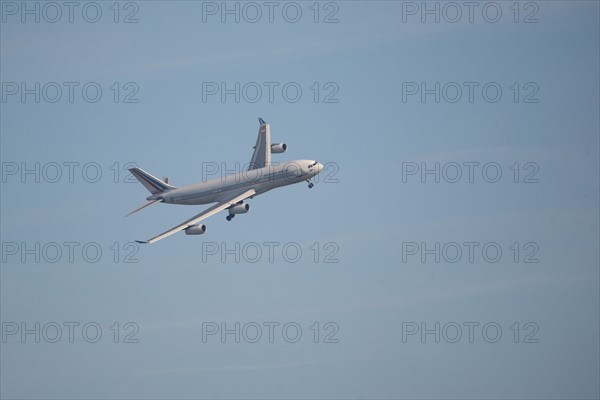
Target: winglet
{"x":141,"y":241}
{"x":261,"y":121}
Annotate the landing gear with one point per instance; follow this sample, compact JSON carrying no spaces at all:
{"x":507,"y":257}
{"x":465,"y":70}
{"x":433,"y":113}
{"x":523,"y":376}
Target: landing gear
{"x":310,"y":184}
{"x":230,"y":217}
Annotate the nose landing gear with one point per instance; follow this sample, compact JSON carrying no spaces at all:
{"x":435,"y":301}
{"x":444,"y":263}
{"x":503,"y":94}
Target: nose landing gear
{"x":310,"y":184}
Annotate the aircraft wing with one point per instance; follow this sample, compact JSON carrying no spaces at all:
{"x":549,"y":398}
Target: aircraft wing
{"x":262,"y":150}
{"x":220,"y":206}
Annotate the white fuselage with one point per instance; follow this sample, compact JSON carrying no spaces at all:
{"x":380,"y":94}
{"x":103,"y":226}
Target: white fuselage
{"x":261,"y":180}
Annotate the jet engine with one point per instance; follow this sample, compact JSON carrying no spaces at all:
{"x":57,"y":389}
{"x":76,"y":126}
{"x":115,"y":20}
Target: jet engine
{"x":195,"y":230}
{"x":239,"y":209}
{"x":278,"y":148}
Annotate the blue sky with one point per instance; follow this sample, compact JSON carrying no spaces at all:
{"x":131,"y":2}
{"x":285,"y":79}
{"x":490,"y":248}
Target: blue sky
{"x":360,"y":213}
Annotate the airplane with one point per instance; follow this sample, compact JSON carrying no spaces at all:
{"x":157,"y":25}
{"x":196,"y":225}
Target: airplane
{"x":230,"y":192}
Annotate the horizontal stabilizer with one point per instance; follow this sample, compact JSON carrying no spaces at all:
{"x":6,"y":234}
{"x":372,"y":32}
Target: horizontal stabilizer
{"x":148,"y":204}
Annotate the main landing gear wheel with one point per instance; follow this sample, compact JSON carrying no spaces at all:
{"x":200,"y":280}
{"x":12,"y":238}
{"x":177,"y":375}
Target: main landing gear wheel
{"x":230,"y":217}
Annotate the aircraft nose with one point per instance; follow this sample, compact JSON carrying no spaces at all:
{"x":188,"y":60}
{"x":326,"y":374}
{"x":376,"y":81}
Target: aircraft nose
{"x":319,"y":167}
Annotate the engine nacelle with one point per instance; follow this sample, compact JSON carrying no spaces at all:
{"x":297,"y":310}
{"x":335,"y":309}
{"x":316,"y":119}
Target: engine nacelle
{"x":195,"y":230}
{"x":239,"y":209}
{"x":278,"y":148}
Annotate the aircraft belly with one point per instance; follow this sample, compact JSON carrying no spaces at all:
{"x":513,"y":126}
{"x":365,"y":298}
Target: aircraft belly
{"x":202,"y":200}
{"x":192,"y":199}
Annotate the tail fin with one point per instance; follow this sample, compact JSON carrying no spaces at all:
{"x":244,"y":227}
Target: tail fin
{"x":152,"y":183}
